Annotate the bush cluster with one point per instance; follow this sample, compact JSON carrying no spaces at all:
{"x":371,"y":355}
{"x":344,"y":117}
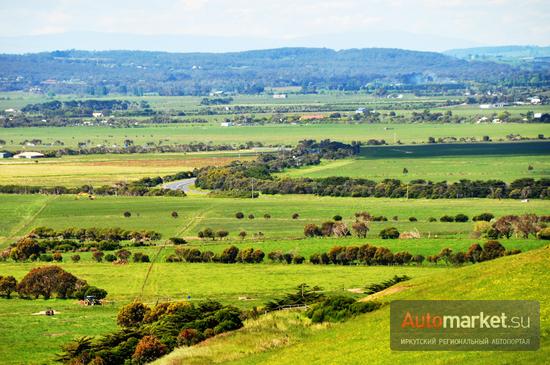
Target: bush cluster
{"x":146,"y":333}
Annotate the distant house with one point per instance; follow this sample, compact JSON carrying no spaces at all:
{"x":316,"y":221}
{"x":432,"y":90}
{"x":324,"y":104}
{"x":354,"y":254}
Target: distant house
{"x":29,"y":155}
{"x":97,"y":114}
{"x":226,"y":124}
{"x":5,"y":154}
{"x":535,"y":100}
{"x":537,"y":115}
{"x":485,"y":106}
{"x":279,"y":96}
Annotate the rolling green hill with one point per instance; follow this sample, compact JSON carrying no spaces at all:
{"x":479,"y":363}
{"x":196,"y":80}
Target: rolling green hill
{"x":288,"y":338}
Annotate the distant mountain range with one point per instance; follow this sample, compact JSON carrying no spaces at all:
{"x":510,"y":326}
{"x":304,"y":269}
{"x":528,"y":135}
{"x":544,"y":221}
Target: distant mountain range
{"x":193,"y":43}
{"x":250,"y":71}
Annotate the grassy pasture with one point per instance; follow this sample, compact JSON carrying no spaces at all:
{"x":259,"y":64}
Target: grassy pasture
{"x":267,"y":134}
{"x":288,"y":338}
{"x":107,"y":169}
{"x":439,"y":162}
{"x":199,"y":212}
{"x":21,"y":331}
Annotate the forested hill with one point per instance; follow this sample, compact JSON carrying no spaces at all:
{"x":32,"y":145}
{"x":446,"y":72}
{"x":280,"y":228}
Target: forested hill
{"x":138,"y":72}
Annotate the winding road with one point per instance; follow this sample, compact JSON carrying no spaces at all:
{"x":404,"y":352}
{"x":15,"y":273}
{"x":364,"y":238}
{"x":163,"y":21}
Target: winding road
{"x":184,"y":185}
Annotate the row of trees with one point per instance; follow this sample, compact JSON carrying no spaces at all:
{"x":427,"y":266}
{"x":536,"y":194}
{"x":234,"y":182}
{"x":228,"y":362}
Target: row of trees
{"x":513,"y":225}
{"x":95,"y":234}
{"x":373,"y":255}
{"x":230,"y":255}
{"x":242,"y":176}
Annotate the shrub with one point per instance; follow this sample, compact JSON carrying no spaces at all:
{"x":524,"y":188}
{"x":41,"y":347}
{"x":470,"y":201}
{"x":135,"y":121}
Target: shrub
{"x":177,"y":241}
{"x":189,"y":337}
{"x":140,"y":257}
{"x":275,"y":256}
{"x":338,"y":309}
{"x":544,"y":234}
{"x":492,"y":250}
{"x":267,"y":216}
{"x":361,"y":229}
{"x":483,"y":217}
{"x":75,"y":258}
{"x":49,"y":280}
{"x":413,"y":219}
{"x":222,"y":234}
{"x":446,"y":218}
{"x":242,"y":235}
{"x":337,"y":218}
{"x":8,"y":285}
{"x":174,"y":214}
{"x":298,"y":259}
{"x":239,"y":215}
{"x":123,"y":254}
{"x":57,"y":257}
{"x":148,"y":349}
{"x":251,"y":216}
{"x":432,"y":219}
{"x":461,"y":218}
{"x":229,"y":255}
{"x":395,"y":218}
{"x":110,"y":257}
{"x":482,"y":226}
{"x":389,"y":233}
{"x":127,"y":214}
{"x":131,"y":315}
{"x":312,"y":230}
{"x":295,"y":216}
{"x":25,"y":249}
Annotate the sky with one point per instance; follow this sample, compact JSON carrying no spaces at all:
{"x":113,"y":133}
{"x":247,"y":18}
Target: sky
{"x":427,"y":24}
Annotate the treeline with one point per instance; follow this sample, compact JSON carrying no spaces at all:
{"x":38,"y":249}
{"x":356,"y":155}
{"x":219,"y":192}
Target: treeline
{"x":86,"y":108}
{"x":26,"y":120}
{"x":372,"y":255}
{"x":122,"y":189}
{"x":236,"y":177}
{"x":42,"y":240}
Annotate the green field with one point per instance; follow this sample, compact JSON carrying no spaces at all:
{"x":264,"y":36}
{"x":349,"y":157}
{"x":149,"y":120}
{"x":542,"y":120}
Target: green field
{"x":288,"y":338}
{"x":267,"y":134}
{"x":439,"y":162}
{"x":198,"y":212}
{"x":226,"y":283}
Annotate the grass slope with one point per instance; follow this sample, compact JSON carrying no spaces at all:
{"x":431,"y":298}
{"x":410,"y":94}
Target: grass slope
{"x":286,"y":339}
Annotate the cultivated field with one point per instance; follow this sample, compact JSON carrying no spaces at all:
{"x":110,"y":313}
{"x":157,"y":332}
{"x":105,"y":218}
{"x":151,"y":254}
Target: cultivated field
{"x":96,"y":170}
{"x":267,"y":134}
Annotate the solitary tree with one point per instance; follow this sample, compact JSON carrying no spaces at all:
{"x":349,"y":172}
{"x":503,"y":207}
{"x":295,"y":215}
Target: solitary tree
{"x":127,"y":214}
{"x":98,"y":256}
{"x":8,"y":285}
{"x":174,"y":214}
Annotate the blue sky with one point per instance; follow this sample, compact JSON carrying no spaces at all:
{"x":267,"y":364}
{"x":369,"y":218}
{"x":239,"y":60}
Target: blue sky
{"x":489,"y":22}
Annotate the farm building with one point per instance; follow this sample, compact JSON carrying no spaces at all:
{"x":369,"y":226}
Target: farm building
{"x":5,"y":154}
{"x":97,"y":114}
{"x":279,"y":96}
{"x":29,"y":155}
{"x":226,"y":124}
